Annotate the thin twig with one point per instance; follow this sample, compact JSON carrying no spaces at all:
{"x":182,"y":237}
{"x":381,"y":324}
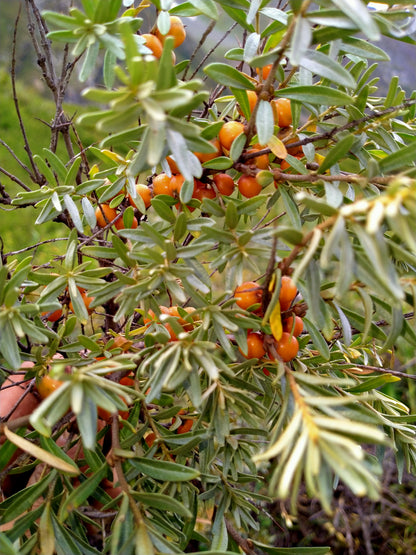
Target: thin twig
{"x":35,"y":176}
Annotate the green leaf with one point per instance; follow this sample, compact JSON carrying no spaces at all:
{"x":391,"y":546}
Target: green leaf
{"x":6,"y":546}
{"x":219,"y":163}
{"x":89,"y":61}
{"x":79,"y":494}
{"x":358,"y":12}
{"x":163,"y":503}
{"x":207,"y":7}
{"x":373,"y":383}
{"x":301,"y":40}
{"x":337,"y":152}
{"x":292,"y":550}
{"x":264,"y":122}
{"x":399,"y":160}
{"x":318,"y":94}
{"x":164,"y":471}
{"x":74,"y":213}
{"x":22,"y":501}
{"x":321,"y":64}
{"x":363,"y":49}
{"x":228,"y":76}
{"x":318,"y":341}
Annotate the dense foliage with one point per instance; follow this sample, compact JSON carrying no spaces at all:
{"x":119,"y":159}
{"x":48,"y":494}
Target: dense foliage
{"x":237,"y":282}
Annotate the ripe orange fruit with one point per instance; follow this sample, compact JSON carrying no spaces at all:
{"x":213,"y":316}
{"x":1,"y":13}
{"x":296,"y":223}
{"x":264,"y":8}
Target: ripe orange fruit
{"x":288,"y":292}
{"x":228,"y":132}
{"x":47,"y":385}
{"x":255,"y":348}
{"x":87,"y":301}
{"x":176,"y":182}
{"x":293,"y":325}
{"x":294,"y":150}
{"x":144,"y":191}
{"x":185,"y":427}
{"x":264,"y":71}
{"x":252,"y":101}
{"x":150,"y":439}
{"x":161,"y":184}
{"x":176,"y":30}
{"x":172,"y":164}
{"x":282,"y":112}
{"x":262,"y":161}
{"x":120,"y":223}
{"x":104,"y":214}
{"x":53,"y":316}
{"x":249,"y":186}
{"x":287,"y":347}
{"x":206,"y":156}
{"x":154,"y":44}
{"x":106,"y":415}
{"x":202,"y":190}
{"x":120,"y":342}
{"x":224,"y":182}
{"x":127,"y":381}
{"x":171,"y":311}
{"x":247,"y":294}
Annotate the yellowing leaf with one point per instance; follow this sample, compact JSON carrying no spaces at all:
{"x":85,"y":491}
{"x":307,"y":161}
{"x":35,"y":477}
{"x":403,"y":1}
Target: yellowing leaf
{"x":277,"y":147}
{"x":276,"y":322}
{"x":40,"y":453}
{"x":113,"y":155}
{"x":95,"y":169}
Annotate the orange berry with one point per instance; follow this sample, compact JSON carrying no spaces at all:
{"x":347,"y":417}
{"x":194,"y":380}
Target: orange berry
{"x":154,"y":44}
{"x":224,"y":182}
{"x":252,"y":101}
{"x":287,"y":347}
{"x":172,"y":164}
{"x":264,"y":71}
{"x":255,"y":348}
{"x":53,"y":316}
{"x":201,"y":191}
{"x":120,"y":342}
{"x":104,"y":215}
{"x":262,"y":161}
{"x":144,"y":192}
{"x":186,"y":426}
{"x":176,"y":30}
{"x":282,"y":112}
{"x":47,"y":385}
{"x":87,"y":301}
{"x":120,"y":223}
{"x":150,"y":439}
{"x":161,"y":184}
{"x":247,"y":294}
{"x":293,"y":325}
{"x":176,"y":182}
{"x":228,"y":132}
{"x":206,"y":156}
{"x":288,"y":292}
{"x":127,"y":381}
{"x":173,"y":311}
{"x":249,"y":186}
{"x":294,"y":150}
